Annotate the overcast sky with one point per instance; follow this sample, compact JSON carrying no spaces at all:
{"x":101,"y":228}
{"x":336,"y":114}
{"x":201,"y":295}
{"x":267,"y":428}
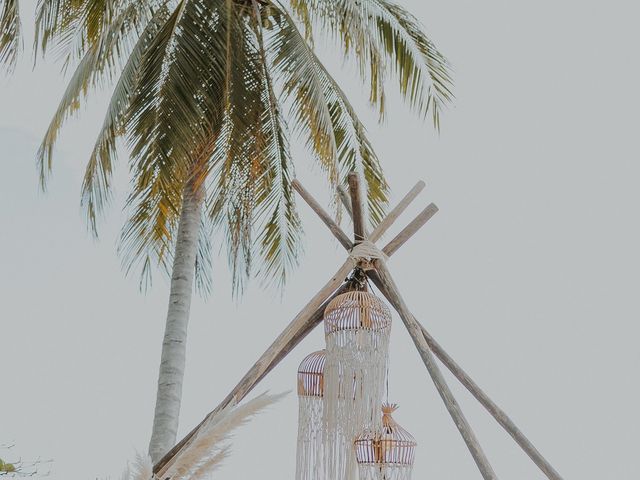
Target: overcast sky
{"x":528,"y":275}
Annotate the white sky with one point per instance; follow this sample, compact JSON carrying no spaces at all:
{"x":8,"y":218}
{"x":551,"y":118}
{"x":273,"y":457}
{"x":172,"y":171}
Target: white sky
{"x":528,"y":276}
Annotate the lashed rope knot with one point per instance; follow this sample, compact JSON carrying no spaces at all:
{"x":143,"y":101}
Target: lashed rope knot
{"x":364,"y":253}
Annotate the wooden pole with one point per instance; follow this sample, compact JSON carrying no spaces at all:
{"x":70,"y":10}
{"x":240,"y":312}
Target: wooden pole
{"x":357,"y":208}
{"x":399,"y":240}
{"x":324,"y":216}
{"x":398,"y":210}
{"x":407,"y":232}
{"x":346,"y":200}
{"x":390,"y":290}
{"x":496,"y":412}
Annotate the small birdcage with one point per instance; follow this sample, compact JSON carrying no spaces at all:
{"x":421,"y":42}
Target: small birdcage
{"x":387,"y":453}
{"x":357,"y":327}
{"x":309,"y":456}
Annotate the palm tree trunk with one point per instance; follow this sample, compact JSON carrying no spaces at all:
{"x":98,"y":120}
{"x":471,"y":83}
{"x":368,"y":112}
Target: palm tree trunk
{"x":174,"y":345}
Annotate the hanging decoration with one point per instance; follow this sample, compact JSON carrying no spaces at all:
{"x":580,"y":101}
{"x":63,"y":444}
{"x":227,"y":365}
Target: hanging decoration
{"x":357,"y":326}
{"x":385,"y":454}
{"x":309,"y":456}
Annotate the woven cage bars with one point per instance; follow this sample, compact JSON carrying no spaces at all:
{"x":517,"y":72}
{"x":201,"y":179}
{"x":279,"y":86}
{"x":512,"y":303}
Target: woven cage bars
{"x":357,"y":327}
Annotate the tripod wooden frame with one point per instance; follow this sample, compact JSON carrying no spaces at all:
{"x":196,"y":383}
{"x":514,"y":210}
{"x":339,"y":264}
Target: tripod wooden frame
{"x":428,"y":348}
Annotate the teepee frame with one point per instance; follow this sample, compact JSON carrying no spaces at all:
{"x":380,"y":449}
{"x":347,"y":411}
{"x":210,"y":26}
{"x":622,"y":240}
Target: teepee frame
{"x":428,"y":348}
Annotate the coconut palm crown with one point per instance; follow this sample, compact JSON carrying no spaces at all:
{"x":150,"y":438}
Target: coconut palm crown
{"x":207,"y":96}
{"x":206,"y":92}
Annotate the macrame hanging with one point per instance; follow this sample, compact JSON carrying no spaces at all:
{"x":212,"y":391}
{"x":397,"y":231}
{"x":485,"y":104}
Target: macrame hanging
{"x":309,"y":457}
{"x":357,"y":326}
{"x":385,"y":454}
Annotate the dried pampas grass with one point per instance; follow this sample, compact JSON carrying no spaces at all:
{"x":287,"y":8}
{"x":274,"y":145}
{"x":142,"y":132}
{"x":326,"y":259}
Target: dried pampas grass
{"x":209,"y":447}
{"x":142,"y":469}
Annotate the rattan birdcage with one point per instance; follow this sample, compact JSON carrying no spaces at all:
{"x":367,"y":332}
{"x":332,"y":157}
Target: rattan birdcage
{"x":356,"y":310}
{"x":357,"y":326}
{"x":310,"y":448}
{"x":311,"y":375}
{"x":386,"y":453}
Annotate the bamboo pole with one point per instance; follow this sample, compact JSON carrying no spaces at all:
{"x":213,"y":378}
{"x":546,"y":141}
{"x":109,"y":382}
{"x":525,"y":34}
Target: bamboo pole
{"x":390,"y":290}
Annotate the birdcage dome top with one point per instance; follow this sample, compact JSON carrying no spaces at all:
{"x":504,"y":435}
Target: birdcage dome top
{"x":391,"y":445}
{"x":356,"y":310}
{"x":311,"y":375}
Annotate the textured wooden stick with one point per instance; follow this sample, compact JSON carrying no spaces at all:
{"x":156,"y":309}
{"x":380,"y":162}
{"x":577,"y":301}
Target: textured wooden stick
{"x":408,"y":231}
{"x":289,"y":338}
{"x":496,"y":412}
{"x":324,"y":216}
{"x":357,"y":209}
{"x":383,"y":226}
{"x":390,"y":290}
{"x":393,"y":215}
{"x":346,"y":200}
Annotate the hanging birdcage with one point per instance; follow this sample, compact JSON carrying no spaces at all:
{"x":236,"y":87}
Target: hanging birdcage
{"x":387,"y":453}
{"x":309,"y":456}
{"x":357,"y":326}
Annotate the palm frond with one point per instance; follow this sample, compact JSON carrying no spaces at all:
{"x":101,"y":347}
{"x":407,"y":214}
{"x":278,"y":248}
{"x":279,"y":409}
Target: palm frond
{"x":239,"y":170}
{"x":349,"y":23}
{"x":97,"y":62}
{"x":354,"y":151}
{"x":280,"y":239}
{"x":70,"y":28}
{"x":174,"y":120}
{"x":204,"y":257}
{"x":294,"y":64}
{"x":54,"y":19}
{"x":423,"y":73}
{"x":96,"y":183}
{"x":10,"y":33}
{"x":384,"y":38}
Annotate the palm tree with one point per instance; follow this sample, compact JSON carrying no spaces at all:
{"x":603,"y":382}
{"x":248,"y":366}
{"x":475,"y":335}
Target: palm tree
{"x":206,"y":95}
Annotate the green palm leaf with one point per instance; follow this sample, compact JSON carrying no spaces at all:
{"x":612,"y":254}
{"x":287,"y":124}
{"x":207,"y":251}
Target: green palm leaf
{"x":377,"y":33}
{"x":10,"y":33}
{"x":300,"y":70}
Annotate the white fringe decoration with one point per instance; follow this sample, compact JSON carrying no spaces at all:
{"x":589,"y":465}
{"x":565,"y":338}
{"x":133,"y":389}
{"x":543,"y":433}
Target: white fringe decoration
{"x":310,"y":454}
{"x":385,"y":472}
{"x":357,"y":327}
{"x":310,"y":448}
